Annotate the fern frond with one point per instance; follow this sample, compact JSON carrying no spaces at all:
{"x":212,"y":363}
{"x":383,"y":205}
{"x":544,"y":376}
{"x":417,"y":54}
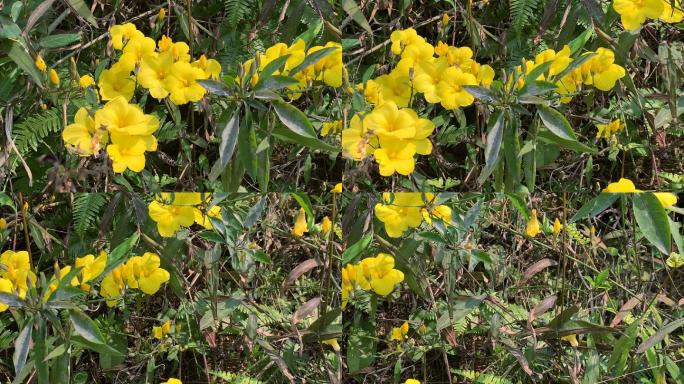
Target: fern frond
{"x":87,"y":208}
{"x":234,"y":378}
{"x":483,"y":378}
{"x":28,"y":133}
{"x":522,"y":13}
{"x":237,"y":10}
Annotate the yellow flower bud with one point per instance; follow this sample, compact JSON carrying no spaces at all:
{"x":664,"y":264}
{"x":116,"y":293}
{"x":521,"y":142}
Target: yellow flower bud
{"x":43,"y":106}
{"x":326,"y":225}
{"x":54,"y":78}
{"x":3,"y":224}
{"x":333,"y":343}
{"x":86,"y":81}
{"x":40,"y":64}
{"x":533,"y":228}
{"x":300,"y":224}
{"x":337,"y":188}
{"x":557,"y":226}
{"x":445,"y":19}
{"x":25,"y":207}
{"x":161,"y":15}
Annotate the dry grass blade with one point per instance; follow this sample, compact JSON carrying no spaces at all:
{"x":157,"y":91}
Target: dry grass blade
{"x":541,"y":308}
{"x":626,"y":308}
{"x":299,"y":270}
{"x":536,"y":268}
{"x":306,"y":310}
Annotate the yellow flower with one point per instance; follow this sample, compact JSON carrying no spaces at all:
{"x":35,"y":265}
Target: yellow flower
{"x":670,"y":14}
{"x":666,"y":199}
{"x":357,"y":141}
{"x":390,"y":122}
{"x":56,"y":280}
{"x":154,"y":70}
{"x":572,"y":339}
{"x":161,"y":15}
{"x":6,"y":286}
{"x":326,"y":225}
{"x":162,"y":331}
{"x":116,"y":82}
{"x":127,"y":157}
{"x":441,"y":212}
{"x":610,"y":129}
{"x":450,"y":88}
{"x":337,"y":188}
{"x":170,"y":217}
{"x":83,"y":135}
{"x":460,"y":57}
{"x":211,"y":67}
{"x":202,"y":216}
{"x":633,"y":13}
{"x":172,"y":381}
{"x":330,"y":68}
{"x":182,"y":84}
{"x":402,"y":213}
{"x":16,"y":267}
{"x":485,"y":75}
{"x":300,"y":226}
{"x":136,"y":49}
{"x":674,"y":261}
{"x":3,"y":224}
{"x":331,"y":342}
{"x":91,"y":268}
{"x":399,"y":333}
{"x":112,"y":285}
{"x":414,"y":55}
{"x":601,"y":71}
{"x":395,"y":87}
{"x":427,"y":77}
{"x":331,"y":127}
{"x":54,"y":77}
{"x":86,"y":81}
{"x":621,"y":186}
{"x":143,"y":272}
{"x":395,"y":156}
{"x":557,"y":227}
{"x":404,"y":38}
{"x":165,"y":43}
{"x":40,"y":63}
{"x":533,"y":229}
{"x":378,"y":273}
{"x":121,"y":34}
{"x":128,"y":125}
{"x":411,"y":381}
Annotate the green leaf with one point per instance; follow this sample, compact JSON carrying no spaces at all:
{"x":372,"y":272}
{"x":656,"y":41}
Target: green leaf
{"x":83,"y":10}
{"x":21,"y":347}
{"x":352,"y":252}
{"x":482,"y":93}
{"x":652,"y":220}
{"x":570,"y":144}
{"x":294,"y":119}
{"x":595,"y":206}
{"x":285,"y":134}
{"x":59,"y":40}
{"x":255,"y":213}
{"x":217,"y":88}
{"x":119,"y":253}
{"x":354,"y":11}
{"x":11,"y":300}
{"x":660,"y":335}
{"x":19,"y":55}
{"x":275,"y":82}
{"x":361,"y":345}
{"x":556,"y":123}
{"x":536,"y":87}
{"x":100,"y":348}
{"x":85,"y":327}
{"x":493,"y":147}
{"x":312,"y":59}
{"x":229,"y":137}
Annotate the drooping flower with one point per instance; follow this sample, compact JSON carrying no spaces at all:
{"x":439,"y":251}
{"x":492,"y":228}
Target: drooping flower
{"x":533,"y":227}
{"x":337,"y":188}
{"x":300,"y":225}
{"x":666,"y":199}
{"x":113,"y":285}
{"x":326,"y":225}
{"x":557,"y":227}
{"x":333,"y":343}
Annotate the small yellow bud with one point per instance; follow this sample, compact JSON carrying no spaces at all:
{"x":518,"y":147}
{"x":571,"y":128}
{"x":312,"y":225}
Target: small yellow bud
{"x":25,"y":207}
{"x":54,"y":78}
{"x":533,"y":229}
{"x":3,"y":224}
{"x":445,"y":19}
{"x":326,"y":225}
{"x":43,"y":106}
{"x":557,"y":226}
{"x":40,"y":64}
{"x":86,"y":81}
{"x":337,"y":188}
{"x":161,"y":16}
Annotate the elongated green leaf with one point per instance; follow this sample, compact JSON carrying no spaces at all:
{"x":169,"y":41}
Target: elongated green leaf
{"x":217,"y":88}
{"x":59,"y":40}
{"x":275,"y":82}
{"x":312,"y":59}
{"x":595,"y":206}
{"x":11,"y":300}
{"x":493,"y":147}
{"x":536,"y":87}
{"x":652,"y":220}
{"x":354,"y":11}
{"x":294,"y":119}
{"x":556,"y":123}
{"x":21,"y":347}
{"x":85,"y":327}
{"x":19,"y":55}
{"x":229,"y":138}
{"x":83,"y":10}
{"x":100,"y":348}
{"x":269,"y":69}
{"x":482,"y":93}
{"x":119,"y":253}
{"x":660,"y":335}
{"x":570,"y":144}
{"x":285,"y":134}
{"x":362,"y":346}
{"x":352,"y":252}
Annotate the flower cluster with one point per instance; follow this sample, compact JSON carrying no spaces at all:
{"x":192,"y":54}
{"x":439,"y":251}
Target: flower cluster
{"x":329,"y":69}
{"x":15,"y":274}
{"x":89,"y":268}
{"x":372,"y":273}
{"x":609,"y":130}
{"x":164,"y":68}
{"x":172,"y":211}
{"x":623,"y":185}
{"x":404,"y":210}
{"x":140,"y":272}
{"x":597,"y":69}
{"x":633,"y":13}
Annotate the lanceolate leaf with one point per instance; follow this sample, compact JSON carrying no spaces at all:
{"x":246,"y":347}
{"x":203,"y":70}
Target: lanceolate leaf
{"x":21,"y":347}
{"x":556,"y":123}
{"x":595,"y":206}
{"x":312,"y":59}
{"x":229,"y":138}
{"x":660,"y":335}
{"x":493,"y":147}
{"x":652,"y":220}
{"x":85,"y":327}
{"x":294,"y":119}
